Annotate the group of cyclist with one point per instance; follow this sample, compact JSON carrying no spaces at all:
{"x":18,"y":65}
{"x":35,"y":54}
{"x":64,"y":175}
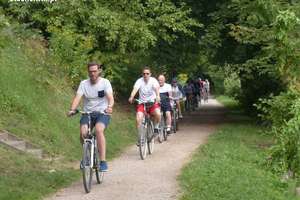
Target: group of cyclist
{"x":196,"y":90}
{"x":98,"y":98}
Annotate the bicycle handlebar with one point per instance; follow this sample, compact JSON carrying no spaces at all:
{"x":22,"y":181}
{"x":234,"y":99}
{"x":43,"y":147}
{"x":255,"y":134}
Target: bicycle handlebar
{"x":143,"y":102}
{"x":88,"y":113}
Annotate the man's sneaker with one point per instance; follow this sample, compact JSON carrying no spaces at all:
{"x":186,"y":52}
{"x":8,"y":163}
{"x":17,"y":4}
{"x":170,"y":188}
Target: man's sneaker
{"x":168,"y":131}
{"x":103,"y":166}
{"x":180,"y":116}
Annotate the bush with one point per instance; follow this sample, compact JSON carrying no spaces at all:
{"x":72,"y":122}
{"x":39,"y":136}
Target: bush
{"x":283,"y":112}
{"x":232,"y":85}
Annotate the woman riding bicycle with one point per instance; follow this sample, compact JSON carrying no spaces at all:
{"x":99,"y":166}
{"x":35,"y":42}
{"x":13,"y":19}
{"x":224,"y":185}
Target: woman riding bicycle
{"x":148,"y":88}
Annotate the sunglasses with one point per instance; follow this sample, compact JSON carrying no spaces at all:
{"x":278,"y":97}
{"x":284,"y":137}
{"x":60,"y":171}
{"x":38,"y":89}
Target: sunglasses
{"x":146,"y":73}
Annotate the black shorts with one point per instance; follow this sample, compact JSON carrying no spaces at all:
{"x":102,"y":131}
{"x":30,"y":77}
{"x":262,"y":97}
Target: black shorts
{"x":165,"y":106}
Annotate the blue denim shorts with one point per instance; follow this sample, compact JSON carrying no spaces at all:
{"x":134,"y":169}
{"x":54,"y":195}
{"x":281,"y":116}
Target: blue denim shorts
{"x":96,"y":117}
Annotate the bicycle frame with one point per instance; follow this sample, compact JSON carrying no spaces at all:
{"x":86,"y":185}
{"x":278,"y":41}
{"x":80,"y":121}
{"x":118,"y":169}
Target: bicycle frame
{"x":90,"y":138}
{"x":145,"y":139}
{"x":90,"y":160}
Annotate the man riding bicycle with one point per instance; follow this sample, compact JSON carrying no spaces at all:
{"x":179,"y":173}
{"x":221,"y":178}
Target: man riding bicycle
{"x":189,"y":92}
{"x":98,"y":98}
{"x":165,"y":91}
{"x":148,"y":88}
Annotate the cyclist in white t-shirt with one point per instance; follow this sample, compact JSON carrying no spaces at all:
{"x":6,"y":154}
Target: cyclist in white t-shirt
{"x":165,"y":91}
{"x":98,"y":97}
{"x":177,"y":95}
{"x":148,"y":88}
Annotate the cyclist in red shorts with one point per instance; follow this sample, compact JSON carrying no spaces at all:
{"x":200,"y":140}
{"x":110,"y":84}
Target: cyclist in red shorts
{"x":148,"y":88}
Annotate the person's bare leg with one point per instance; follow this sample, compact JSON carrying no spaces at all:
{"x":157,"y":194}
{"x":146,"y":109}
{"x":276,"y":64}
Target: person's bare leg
{"x":101,"y":142}
{"x":179,"y":109}
{"x":83,"y":132}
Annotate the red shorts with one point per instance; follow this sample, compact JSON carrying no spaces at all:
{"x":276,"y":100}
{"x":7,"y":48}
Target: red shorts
{"x":140,"y":108}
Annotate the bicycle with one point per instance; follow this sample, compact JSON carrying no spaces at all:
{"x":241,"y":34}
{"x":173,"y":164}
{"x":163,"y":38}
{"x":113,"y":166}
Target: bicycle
{"x":174,"y":117}
{"x":162,"y":136}
{"x":189,"y":103}
{"x":205,"y":95}
{"x":145,"y":131}
{"x":90,"y":156}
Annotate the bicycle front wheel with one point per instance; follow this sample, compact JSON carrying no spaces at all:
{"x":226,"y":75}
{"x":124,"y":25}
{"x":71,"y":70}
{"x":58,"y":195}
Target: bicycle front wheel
{"x":150,"y":142}
{"x":161,"y":130}
{"x":142,"y":141}
{"x":87,"y":171}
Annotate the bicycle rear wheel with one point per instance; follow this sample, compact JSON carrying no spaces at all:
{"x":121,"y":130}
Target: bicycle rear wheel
{"x":150,"y":142}
{"x":177,"y":119}
{"x":87,"y":171}
{"x":99,"y":175}
{"x":142,"y":142}
{"x":174,"y":121}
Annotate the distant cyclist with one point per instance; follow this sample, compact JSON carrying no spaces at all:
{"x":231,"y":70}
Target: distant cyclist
{"x":98,"y":97}
{"x":148,"y":88}
{"x":165,"y":91}
{"x":189,"y":92}
{"x":207,"y":86}
{"x":177,"y":94}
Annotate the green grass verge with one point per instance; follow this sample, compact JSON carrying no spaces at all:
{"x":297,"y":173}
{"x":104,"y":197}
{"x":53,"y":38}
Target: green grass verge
{"x":23,"y":177}
{"x":228,"y":102}
{"x":231,"y":166}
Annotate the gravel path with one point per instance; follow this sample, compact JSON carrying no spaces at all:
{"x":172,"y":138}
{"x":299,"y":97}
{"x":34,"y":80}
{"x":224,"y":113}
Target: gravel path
{"x":130,"y":178}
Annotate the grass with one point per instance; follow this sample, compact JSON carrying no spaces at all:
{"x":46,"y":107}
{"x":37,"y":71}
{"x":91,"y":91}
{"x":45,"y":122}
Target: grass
{"x":232,"y":166}
{"x":23,"y":177}
{"x":33,"y":106}
{"x":228,"y":102}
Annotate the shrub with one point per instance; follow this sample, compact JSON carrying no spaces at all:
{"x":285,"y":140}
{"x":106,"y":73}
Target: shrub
{"x":283,"y":112}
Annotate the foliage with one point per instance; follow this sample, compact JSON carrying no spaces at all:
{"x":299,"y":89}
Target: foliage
{"x":232,"y":85}
{"x":283,"y":113}
{"x":120,"y":34}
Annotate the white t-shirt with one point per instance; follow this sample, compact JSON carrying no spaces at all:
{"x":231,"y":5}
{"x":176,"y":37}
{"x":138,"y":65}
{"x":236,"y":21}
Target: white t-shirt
{"x":176,"y":93}
{"x":146,"y":90}
{"x":95,"y":95}
{"x":165,"y":90}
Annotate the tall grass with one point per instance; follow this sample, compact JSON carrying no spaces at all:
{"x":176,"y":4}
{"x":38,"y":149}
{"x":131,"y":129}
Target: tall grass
{"x":34,"y":101}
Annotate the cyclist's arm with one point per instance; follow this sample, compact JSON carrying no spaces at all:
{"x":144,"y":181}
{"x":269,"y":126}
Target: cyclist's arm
{"x":170,"y":95}
{"x":111,"y":101}
{"x":157,"y":94}
{"x":75,"y":103}
{"x":133,"y":93}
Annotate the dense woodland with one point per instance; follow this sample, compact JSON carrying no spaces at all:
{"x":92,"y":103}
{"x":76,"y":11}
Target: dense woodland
{"x":249,"y":49}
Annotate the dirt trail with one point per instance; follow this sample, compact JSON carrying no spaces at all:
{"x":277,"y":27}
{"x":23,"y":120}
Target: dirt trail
{"x":153,"y":178}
